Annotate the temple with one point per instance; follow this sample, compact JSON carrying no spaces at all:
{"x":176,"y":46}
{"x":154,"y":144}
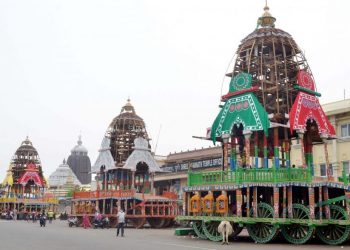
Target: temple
{"x":62,"y":181}
{"x":124,"y":172}
{"x":79,"y":162}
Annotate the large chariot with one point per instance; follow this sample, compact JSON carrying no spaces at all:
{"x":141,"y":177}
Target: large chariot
{"x":272,"y":105}
{"x":125,"y":170}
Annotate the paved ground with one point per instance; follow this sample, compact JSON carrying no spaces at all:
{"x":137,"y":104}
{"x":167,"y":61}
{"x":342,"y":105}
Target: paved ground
{"x":20,"y":235}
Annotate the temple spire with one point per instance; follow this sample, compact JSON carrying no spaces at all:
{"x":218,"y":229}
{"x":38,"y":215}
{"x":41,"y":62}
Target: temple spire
{"x":266,"y":20}
{"x":128,"y":107}
{"x":79,"y":140}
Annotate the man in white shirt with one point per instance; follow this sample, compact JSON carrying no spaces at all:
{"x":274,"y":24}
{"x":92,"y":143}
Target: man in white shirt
{"x":121,"y":222}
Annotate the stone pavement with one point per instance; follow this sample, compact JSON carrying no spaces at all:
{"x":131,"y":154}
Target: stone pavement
{"x":21,"y":235}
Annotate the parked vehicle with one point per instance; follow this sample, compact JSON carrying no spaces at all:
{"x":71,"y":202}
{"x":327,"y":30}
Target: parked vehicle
{"x":102,"y":223}
{"x":73,"y":221}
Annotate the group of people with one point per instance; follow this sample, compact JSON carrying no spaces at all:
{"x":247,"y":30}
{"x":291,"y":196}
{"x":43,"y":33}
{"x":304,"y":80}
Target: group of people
{"x":37,"y":215}
{"x":9,"y":214}
{"x":99,"y":217}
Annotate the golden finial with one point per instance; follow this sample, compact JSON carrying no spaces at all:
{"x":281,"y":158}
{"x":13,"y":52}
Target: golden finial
{"x":266,"y":20}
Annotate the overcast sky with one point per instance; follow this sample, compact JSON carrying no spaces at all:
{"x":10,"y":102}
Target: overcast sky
{"x":69,"y":66}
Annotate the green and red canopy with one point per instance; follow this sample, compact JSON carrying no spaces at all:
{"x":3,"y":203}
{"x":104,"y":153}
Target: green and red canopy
{"x":241,"y":107}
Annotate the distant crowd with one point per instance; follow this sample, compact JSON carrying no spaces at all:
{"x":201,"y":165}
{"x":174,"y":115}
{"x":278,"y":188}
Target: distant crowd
{"x":13,"y":214}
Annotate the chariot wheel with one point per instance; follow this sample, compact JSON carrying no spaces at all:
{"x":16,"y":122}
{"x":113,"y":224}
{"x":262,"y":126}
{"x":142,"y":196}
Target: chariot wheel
{"x":210,"y":229}
{"x":156,"y":222}
{"x":236,"y":230}
{"x":334,"y":234}
{"x":168,"y":222}
{"x":138,"y":222}
{"x":298,"y":233}
{"x":79,"y":221}
{"x":113,"y":221}
{"x":198,"y":229}
{"x":263,"y":232}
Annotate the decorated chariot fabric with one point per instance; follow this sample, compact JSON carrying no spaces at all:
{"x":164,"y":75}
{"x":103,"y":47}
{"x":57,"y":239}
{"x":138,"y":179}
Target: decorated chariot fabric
{"x":31,"y":173}
{"x":141,"y":153}
{"x":241,"y":107}
{"x":104,"y":158}
{"x":307,"y":107}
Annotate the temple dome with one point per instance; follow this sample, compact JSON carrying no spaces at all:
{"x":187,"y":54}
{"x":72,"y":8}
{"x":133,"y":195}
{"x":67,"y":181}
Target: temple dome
{"x":273,"y":59}
{"x":122,"y":132}
{"x":27,"y":150}
{"x":79,"y":148}
{"x":25,"y":158}
{"x":62,"y":176}
{"x":79,"y":162}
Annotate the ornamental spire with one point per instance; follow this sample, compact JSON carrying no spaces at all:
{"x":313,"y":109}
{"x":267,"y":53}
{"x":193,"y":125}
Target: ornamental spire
{"x":79,"y":140}
{"x":128,"y":108}
{"x":266,"y":20}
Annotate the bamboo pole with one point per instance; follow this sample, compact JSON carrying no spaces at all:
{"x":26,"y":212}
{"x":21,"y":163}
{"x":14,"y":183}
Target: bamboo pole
{"x":248,"y":201}
{"x":290,"y":202}
{"x":256,"y":149}
{"x":284,"y":203}
{"x":239,"y":202}
{"x":320,"y":201}
{"x":312,"y":202}
{"x":255,"y":202}
{"x":301,"y":137}
{"x":276,"y":79}
{"x":266,"y":161}
{"x":276,"y":147}
{"x":276,"y":196}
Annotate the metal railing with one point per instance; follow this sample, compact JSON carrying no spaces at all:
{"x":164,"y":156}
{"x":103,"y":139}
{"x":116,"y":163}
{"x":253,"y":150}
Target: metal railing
{"x":254,"y":175}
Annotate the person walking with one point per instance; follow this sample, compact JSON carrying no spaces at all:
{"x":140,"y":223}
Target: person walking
{"x":86,"y":221}
{"x":42,"y":219}
{"x":34,"y":216}
{"x":14,"y":214}
{"x":50,"y":216}
{"x":121,"y":222}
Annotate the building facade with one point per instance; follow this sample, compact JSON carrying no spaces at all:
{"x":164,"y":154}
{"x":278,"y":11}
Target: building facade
{"x":176,"y":166}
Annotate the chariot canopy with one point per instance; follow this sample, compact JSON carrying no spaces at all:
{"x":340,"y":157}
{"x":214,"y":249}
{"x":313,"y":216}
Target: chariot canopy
{"x":241,"y":107}
{"x":307,"y":107}
{"x":141,"y":153}
{"x":31,"y":173}
{"x":9,"y":178}
{"x":105,"y":157}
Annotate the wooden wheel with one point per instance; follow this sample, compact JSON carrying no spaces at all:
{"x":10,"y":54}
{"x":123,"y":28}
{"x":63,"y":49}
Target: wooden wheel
{"x":210,"y":230}
{"x":198,"y":229}
{"x":138,"y":222}
{"x":263,"y":232}
{"x":236,"y":230}
{"x":297,"y":233}
{"x":156,"y":222}
{"x":113,"y":221}
{"x":80,"y":221}
{"x":334,"y":234}
{"x":168,"y":223}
